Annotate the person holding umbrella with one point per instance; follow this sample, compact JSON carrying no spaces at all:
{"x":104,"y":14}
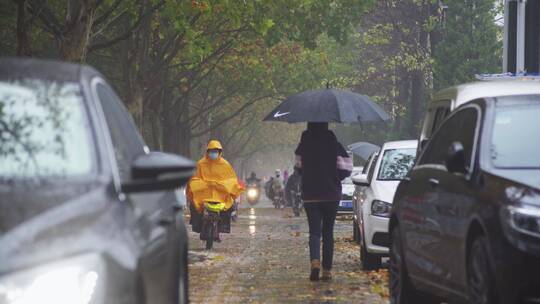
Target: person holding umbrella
{"x":322,"y":161}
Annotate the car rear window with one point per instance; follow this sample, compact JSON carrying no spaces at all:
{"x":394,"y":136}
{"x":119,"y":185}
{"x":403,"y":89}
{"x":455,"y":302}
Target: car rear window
{"x":396,"y":163}
{"x":44,"y":130}
{"x":515,"y":141}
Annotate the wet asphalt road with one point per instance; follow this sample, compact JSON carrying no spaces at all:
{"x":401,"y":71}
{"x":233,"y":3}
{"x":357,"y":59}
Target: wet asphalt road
{"x":266,"y":260}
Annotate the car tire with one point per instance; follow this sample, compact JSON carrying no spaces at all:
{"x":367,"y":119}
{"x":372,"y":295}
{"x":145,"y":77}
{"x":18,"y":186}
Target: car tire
{"x":369,"y":261}
{"x":401,"y":289}
{"x":481,"y":286}
{"x":355,"y":231}
{"x":183,"y":282}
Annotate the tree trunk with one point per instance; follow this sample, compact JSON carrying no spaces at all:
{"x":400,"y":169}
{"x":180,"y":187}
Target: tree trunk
{"x":135,"y":105}
{"x":417,"y":97}
{"x":402,"y":98}
{"x":176,"y":134}
{"x":23,"y":43}
{"x":75,"y":40}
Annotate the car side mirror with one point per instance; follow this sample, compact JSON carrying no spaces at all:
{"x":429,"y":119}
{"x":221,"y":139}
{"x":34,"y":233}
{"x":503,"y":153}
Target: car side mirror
{"x":455,"y":158}
{"x":157,"y":171}
{"x":360,"y":180}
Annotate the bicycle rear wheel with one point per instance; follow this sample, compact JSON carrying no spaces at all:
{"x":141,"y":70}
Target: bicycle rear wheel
{"x":210,"y":236}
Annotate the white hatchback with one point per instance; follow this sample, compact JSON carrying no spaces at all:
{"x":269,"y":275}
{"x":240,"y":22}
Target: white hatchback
{"x":374,"y":195}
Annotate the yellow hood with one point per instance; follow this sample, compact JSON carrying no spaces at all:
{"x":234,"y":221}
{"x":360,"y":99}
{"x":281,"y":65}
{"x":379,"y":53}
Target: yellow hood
{"x":213,"y":145}
{"x":214,"y":180}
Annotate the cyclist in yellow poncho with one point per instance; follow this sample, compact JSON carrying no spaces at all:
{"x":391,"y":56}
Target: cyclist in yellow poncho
{"x":214,"y":181}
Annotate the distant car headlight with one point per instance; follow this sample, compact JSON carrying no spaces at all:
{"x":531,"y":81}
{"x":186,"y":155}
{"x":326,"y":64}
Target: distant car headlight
{"x":380,"y":208}
{"x":252,"y":193}
{"x":72,"y":281}
{"x":525,"y":219}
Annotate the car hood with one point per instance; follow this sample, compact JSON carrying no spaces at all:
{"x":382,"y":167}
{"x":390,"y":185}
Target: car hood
{"x":530,"y":178}
{"x":385,"y":190}
{"x":347,"y":189}
{"x":56,"y":224}
{"x":21,"y":203}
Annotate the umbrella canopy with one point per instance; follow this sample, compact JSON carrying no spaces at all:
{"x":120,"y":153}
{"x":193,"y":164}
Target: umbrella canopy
{"x":363,"y":149}
{"x":328,"y":105}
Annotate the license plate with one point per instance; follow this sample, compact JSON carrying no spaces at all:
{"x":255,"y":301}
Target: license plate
{"x":345,"y":204}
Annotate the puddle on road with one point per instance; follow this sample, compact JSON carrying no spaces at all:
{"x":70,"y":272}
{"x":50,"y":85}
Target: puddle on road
{"x":252,"y":224}
{"x":252,"y":215}
{"x":294,"y":227}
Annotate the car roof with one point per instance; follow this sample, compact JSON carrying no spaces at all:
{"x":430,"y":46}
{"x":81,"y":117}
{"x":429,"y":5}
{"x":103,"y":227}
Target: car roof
{"x":407,"y":144}
{"x":463,"y":93}
{"x":15,"y":68}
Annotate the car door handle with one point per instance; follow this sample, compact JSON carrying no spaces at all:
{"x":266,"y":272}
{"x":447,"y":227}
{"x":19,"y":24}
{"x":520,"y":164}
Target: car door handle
{"x":434,"y":182}
{"x":166,"y":221}
{"x":177,"y":207}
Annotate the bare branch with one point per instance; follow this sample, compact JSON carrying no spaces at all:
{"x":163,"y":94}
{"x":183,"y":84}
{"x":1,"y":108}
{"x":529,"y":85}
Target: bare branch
{"x":128,"y":33}
{"x":107,"y":13}
{"x":230,"y":116}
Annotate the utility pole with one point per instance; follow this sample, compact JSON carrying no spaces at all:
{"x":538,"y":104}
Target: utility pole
{"x":522,"y":36}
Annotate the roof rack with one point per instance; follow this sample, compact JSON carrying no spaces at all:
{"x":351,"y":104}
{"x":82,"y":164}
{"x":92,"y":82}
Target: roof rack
{"x":507,"y":76}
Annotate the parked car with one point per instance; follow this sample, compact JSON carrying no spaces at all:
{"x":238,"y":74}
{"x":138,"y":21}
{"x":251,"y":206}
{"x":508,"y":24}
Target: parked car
{"x":374,"y":199}
{"x":87,"y":213}
{"x":357,"y":189}
{"x":347,"y":191}
{"x":447,"y":100}
{"x":466,"y":222}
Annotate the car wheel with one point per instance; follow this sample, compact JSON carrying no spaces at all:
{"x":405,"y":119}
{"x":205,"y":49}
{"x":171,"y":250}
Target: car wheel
{"x":358,"y":234}
{"x":183,"y":294}
{"x":355,"y":231}
{"x":140,"y":295}
{"x":479,"y":278}
{"x":401,"y":290}
{"x":369,"y":261}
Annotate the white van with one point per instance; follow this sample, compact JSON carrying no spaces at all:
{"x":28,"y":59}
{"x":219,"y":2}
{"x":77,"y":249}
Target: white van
{"x":448,"y":99}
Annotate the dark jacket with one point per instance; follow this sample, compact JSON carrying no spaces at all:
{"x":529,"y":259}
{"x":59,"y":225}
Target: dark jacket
{"x":323,"y":164}
{"x":293,"y":185}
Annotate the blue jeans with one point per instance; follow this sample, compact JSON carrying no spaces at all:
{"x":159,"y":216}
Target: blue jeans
{"x":321,"y":218}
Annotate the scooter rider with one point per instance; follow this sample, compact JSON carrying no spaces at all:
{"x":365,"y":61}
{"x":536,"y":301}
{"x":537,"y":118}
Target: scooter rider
{"x":292,"y":188}
{"x":213,"y":181}
{"x":277,"y":186}
{"x":253,"y":180}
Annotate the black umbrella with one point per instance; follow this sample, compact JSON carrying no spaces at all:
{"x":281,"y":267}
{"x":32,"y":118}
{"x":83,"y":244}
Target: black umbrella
{"x":363,"y":149}
{"x":328,"y":105}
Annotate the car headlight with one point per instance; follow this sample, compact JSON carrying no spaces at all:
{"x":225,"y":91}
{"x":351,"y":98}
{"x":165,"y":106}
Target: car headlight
{"x":525,"y":219}
{"x":380,"y":208}
{"x":252,"y":193}
{"x":72,"y":281}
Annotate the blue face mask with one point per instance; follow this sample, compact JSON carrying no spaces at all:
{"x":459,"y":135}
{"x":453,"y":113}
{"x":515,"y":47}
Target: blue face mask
{"x":213,"y":155}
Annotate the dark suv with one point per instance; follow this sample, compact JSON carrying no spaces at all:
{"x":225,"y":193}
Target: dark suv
{"x":87,"y":213}
{"x":466,"y":221}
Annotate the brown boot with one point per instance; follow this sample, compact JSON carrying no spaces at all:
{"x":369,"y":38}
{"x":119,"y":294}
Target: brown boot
{"x":326,"y":275}
{"x":315,"y":269}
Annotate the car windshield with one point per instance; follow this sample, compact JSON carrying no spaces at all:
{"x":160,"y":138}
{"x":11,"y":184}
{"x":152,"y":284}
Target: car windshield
{"x":43,"y":130}
{"x":396,"y":163}
{"x":514,"y":142}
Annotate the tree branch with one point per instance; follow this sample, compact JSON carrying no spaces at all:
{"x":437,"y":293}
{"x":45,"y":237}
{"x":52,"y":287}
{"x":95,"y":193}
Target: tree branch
{"x":229,"y":117}
{"x":128,"y":33}
{"x":106,"y":14}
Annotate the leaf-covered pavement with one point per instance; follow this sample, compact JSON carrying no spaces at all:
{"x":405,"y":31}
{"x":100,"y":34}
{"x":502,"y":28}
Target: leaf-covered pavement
{"x":265,"y":260}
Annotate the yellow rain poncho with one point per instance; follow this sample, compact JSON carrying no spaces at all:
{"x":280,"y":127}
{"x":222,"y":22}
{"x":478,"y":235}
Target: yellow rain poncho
{"x":214,"y":181}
